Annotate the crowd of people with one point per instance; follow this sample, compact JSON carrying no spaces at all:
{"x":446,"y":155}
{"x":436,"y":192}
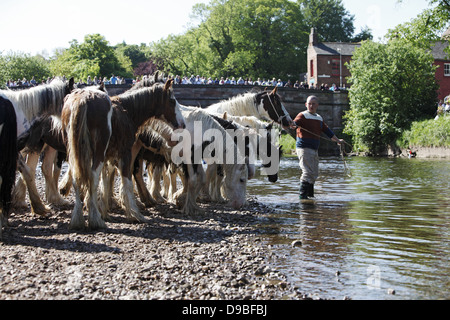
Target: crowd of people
{"x":192,"y":80}
{"x":249,"y":81}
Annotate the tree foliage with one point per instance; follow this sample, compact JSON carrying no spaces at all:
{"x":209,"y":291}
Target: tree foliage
{"x":393,"y":85}
{"x":16,"y":65}
{"x":427,"y":27}
{"x":248,"y":38}
{"x":252,"y":38}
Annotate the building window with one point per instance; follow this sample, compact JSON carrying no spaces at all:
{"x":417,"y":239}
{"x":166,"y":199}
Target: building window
{"x":312,"y":68}
{"x":335,"y":67}
{"x":447,"y":69}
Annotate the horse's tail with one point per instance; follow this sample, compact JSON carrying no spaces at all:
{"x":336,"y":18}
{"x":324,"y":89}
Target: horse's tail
{"x":8,"y":153}
{"x":79,"y":144}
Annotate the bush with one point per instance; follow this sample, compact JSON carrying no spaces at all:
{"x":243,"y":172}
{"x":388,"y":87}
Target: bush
{"x":427,"y":133}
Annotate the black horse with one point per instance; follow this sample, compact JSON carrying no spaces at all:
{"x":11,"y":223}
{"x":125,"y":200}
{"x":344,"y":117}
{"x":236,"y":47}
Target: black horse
{"x":8,"y":156}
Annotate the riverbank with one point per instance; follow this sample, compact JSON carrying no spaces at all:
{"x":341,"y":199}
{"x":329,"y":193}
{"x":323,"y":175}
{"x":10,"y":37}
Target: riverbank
{"x":172,"y":257}
{"x":428,"y":152}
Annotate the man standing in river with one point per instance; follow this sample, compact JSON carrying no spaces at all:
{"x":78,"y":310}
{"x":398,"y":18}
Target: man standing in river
{"x":309,"y":127}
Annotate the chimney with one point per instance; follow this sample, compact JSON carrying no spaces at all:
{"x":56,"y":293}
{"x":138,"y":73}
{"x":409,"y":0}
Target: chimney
{"x":313,"y":38}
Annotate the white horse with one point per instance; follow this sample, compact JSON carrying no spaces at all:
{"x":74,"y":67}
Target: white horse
{"x":205,"y":139}
{"x":30,"y":104}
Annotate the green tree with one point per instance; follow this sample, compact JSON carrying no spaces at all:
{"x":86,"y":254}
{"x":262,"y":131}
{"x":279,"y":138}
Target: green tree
{"x":393,"y":85}
{"x":427,"y":27}
{"x":254,"y":38}
{"x":332,"y":21}
{"x":17,"y":65}
{"x":93,"y":57}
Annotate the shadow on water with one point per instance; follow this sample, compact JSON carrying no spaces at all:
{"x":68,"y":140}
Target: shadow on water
{"x":384,"y":228}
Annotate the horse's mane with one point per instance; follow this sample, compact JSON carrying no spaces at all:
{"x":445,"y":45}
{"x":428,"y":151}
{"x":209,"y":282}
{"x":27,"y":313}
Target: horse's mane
{"x":243,"y":104}
{"x":139,"y":103}
{"x":155,"y":128}
{"x":247,"y":121}
{"x":47,"y":98}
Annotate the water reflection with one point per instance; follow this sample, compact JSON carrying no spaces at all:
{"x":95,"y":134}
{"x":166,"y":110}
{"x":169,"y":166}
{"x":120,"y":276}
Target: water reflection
{"x":387,"y":226}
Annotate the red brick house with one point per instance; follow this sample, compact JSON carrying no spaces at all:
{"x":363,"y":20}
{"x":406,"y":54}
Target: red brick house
{"x":442,"y":60}
{"x":326,"y":61}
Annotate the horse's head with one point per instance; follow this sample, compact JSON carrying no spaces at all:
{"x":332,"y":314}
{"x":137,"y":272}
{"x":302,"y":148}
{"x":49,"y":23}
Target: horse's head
{"x":235,"y":184}
{"x":69,"y":86}
{"x":274,"y":107}
{"x":171,"y":108}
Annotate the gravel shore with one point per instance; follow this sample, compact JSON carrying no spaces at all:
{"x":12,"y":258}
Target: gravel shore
{"x":172,"y":257}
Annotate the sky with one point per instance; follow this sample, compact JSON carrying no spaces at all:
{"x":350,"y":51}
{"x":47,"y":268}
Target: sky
{"x":33,"y":27}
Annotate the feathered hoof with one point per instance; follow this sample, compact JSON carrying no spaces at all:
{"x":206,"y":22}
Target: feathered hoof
{"x":136,"y":217}
{"x":96,"y":224}
{"x":41,"y":211}
{"x":77,"y":225}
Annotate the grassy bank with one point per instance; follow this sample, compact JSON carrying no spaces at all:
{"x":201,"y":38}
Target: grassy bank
{"x":427,"y":133}
{"x":287,"y":143}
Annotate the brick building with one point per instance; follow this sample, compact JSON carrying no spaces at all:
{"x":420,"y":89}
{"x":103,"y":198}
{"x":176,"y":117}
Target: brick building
{"x":442,"y":60}
{"x":326,"y":61}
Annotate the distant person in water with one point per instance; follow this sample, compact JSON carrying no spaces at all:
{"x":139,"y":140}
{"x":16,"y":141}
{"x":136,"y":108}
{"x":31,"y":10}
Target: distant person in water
{"x":309,"y":127}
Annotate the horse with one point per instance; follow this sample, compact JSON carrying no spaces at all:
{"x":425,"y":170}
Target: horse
{"x":131,"y":111}
{"x":44,"y":137}
{"x":156,"y":151}
{"x":30,"y":104}
{"x":263,"y":105}
{"x":216,"y":147}
{"x":8,"y":157}
{"x":268,"y":140}
{"x":86,"y":120}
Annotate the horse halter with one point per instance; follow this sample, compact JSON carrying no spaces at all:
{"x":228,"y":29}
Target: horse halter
{"x":280,"y":118}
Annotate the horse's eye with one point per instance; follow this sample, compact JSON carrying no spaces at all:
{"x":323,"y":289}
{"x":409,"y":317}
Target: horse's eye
{"x":242,"y":180}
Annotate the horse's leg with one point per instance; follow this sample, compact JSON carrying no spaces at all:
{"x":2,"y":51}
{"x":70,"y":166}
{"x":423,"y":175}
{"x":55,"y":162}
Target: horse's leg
{"x":51,"y":186}
{"x":155,"y":189}
{"x":127,"y":194}
{"x":172,"y":173}
{"x":20,"y":189}
{"x":95,"y":220}
{"x":106,"y":190}
{"x":28,"y":174}
{"x":77,"y":219}
{"x":66,"y":183}
{"x":143,"y":192}
{"x":206,"y":190}
{"x":216,"y":185}
{"x":194,"y":184}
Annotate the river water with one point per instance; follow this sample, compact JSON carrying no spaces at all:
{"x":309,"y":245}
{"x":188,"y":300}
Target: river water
{"x":380,"y":232}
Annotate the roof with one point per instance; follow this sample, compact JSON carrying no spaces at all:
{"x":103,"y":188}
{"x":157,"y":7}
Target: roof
{"x":331,"y":48}
{"x":438,"y":50}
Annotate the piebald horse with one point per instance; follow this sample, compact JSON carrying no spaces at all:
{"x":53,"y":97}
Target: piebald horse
{"x":263,"y":105}
{"x":30,"y":104}
{"x":129,"y":112}
{"x":86,"y":119}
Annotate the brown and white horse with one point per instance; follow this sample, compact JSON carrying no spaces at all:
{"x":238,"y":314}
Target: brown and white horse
{"x":86,"y":119}
{"x":29,"y":104}
{"x":129,"y":112}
